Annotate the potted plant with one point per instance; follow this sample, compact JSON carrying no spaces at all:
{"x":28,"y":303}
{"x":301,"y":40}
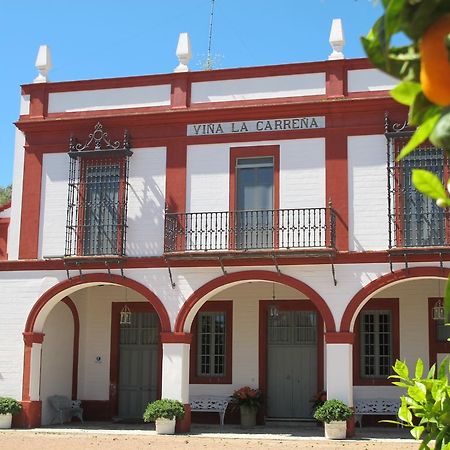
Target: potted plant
{"x":249,"y":401}
{"x":334,"y":414}
{"x":164,"y":413}
{"x":8,"y":407}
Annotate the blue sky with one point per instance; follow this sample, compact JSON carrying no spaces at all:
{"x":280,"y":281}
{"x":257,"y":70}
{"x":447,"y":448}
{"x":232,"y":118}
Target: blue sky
{"x":109,"y":38}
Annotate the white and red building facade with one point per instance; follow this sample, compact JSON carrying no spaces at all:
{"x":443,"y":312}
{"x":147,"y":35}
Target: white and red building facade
{"x":253,"y":221}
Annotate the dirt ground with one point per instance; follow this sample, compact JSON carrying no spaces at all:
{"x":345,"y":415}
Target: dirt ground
{"x":21,"y":440}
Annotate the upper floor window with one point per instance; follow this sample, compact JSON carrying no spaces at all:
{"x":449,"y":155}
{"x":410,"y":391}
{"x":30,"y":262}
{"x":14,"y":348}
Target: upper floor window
{"x":98,"y":181}
{"x":415,"y":219}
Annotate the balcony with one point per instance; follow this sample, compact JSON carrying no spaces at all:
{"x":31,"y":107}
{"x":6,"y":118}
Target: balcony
{"x":307,"y":231}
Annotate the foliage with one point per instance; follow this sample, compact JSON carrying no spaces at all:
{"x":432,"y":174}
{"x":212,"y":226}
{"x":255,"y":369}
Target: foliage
{"x":333,"y":410}
{"x":9,"y":406}
{"x":5,"y":195}
{"x":426,"y":407}
{"x":246,"y":396}
{"x":318,"y":400}
{"x":419,"y":65}
{"x":163,"y":409}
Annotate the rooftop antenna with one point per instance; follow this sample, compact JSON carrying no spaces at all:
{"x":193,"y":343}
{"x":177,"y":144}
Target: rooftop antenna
{"x":209,"y":62}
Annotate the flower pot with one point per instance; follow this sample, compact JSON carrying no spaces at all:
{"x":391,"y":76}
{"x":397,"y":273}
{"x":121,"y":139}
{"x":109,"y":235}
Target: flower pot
{"x":5,"y":420}
{"x":165,"y":426}
{"x":248,"y":416}
{"x":336,"y":430}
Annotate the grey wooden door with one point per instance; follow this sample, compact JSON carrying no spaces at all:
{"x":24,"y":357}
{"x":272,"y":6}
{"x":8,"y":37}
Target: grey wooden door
{"x":292,"y":364}
{"x":138,"y":370}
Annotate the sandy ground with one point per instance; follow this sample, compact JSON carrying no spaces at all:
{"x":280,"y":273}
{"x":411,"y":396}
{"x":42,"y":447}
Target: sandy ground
{"x":19,"y":440}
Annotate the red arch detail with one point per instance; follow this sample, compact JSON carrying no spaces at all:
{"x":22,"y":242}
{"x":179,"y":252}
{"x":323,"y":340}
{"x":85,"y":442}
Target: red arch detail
{"x":99,"y":278}
{"x":398,"y":275}
{"x":262,"y":275}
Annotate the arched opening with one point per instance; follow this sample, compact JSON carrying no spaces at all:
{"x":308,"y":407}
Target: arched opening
{"x":261,"y":329}
{"x":87,"y":354}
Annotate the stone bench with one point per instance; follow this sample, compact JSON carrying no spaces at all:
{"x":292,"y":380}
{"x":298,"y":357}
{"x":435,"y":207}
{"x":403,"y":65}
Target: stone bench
{"x":376,"y":406}
{"x":210,"y":403}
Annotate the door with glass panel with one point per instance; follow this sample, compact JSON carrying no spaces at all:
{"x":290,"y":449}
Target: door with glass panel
{"x":291,"y":364}
{"x":138,"y":361}
{"x":254,"y":201}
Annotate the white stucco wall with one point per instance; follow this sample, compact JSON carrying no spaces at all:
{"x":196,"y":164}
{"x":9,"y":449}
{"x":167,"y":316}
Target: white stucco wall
{"x":258,"y":88}
{"x":52,"y":223}
{"x":361,"y":80}
{"x":16,"y":197}
{"x":57,"y":358}
{"x":146,"y":202}
{"x":367,"y":193}
{"x":101,"y":99}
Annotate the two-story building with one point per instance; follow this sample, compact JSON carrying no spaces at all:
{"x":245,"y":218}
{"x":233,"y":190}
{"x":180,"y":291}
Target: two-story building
{"x":196,"y":232}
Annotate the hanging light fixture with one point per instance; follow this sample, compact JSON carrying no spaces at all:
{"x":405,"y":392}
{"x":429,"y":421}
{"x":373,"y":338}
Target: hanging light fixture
{"x":273,"y":308}
{"x":125,"y":312}
{"x":438,"y":311}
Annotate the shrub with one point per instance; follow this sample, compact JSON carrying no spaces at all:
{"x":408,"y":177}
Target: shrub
{"x":163,"y":409}
{"x":247,"y":396}
{"x":9,"y":406}
{"x":333,"y":410}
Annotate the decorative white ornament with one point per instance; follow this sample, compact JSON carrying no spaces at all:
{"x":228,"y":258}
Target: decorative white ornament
{"x":337,"y":39}
{"x":184,"y":53}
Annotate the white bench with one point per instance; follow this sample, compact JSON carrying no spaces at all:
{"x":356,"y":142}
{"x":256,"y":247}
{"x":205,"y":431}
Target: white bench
{"x":210,"y":403}
{"x":376,"y":406}
{"x":65,"y":408}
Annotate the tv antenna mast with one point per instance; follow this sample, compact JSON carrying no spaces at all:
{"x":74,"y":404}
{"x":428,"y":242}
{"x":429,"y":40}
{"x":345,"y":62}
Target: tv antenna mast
{"x":209,"y":61}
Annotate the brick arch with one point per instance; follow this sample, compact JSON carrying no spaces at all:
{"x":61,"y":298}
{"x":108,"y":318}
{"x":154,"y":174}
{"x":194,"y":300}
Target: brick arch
{"x":59,"y":289}
{"x":367,"y":292}
{"x":255,"y":275}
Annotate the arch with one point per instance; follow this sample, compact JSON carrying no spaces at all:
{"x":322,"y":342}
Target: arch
{"x":256,"y":275}
{"x":393,"y":277}
{"x":96,"y":278}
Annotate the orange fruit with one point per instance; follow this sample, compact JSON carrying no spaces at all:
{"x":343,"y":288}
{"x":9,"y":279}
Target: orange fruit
{"x":435,"y":66}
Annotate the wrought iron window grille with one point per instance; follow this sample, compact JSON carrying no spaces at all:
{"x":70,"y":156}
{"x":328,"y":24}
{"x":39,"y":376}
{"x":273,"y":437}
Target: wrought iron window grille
{"x":97,"y":195}
{"x":414,"y":220}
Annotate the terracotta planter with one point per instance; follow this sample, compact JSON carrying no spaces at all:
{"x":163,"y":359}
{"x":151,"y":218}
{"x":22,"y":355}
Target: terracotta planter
{"x":248,"y":416}
{"x":165,"y":426}
{"x":336,"y":430}
{"x":5,"y":420}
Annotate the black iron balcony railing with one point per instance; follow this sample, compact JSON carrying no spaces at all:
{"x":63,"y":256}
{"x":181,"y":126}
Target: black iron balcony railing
{"x":281,"y":229}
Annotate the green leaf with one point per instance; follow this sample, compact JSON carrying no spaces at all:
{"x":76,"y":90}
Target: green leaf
{"x":405,"y":92}
{"x":417,"y":432}
{"x":431,"y":372}
{"x":401,"y":369}
{"x":419,"y":136}
{"x":428,"y":183}
{"x":442,"y":370}
{"x":405,"y":414}
{"x":421,"y":109}
{"x":419,"y":368}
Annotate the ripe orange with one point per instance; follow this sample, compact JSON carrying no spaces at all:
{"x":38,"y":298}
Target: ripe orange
{"x":435,"y":66}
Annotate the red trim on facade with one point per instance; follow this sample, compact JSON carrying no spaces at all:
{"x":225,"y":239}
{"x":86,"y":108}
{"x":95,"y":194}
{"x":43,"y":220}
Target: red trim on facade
{"x":5,"y":206}
{"x":336,"y":79}
{"x":175,"y":338}
{"x":340,"y":338}
{"x":39,"y":101}
{"x":31,"y":204}
{"x":336,"y":170}
{"x":225,"y":306}
{"x":184,"y":425}
{"x":287,"y":305}
{"x":30,"y":416}
{"x":29,"y":338}
{"x":435,"y":346}
{"x":255,"y":152}
{"x":180,"y":92}
{"x":404,"y":274}
{"x":390,"y":304}
{"x":99,"y":278}
{"x":4,"y":225}
{"x":255,"y":275}
{"x":97,"y":410}
{"x":76,"y":344}
{"x":115,"y":353}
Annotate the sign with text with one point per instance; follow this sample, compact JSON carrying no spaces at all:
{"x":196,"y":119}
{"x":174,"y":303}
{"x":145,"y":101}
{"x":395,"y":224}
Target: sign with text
{"x":256,"y":126}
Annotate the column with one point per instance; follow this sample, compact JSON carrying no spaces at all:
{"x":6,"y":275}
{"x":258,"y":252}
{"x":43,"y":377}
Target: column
{"x":30,"y":416}
{"x":339,"y":370}
{"x":175,"y":373}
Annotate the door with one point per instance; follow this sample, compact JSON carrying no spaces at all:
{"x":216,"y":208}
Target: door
{"x":254,"y":201}
{"x":138,"y":364}
{"x":291,"y":364}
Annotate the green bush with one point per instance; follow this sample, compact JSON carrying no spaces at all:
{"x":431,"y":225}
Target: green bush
{"x":9,"y":406}
{"x":163,"y":409}
{"x":426,"y":407}
{"x":333,"y":410}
